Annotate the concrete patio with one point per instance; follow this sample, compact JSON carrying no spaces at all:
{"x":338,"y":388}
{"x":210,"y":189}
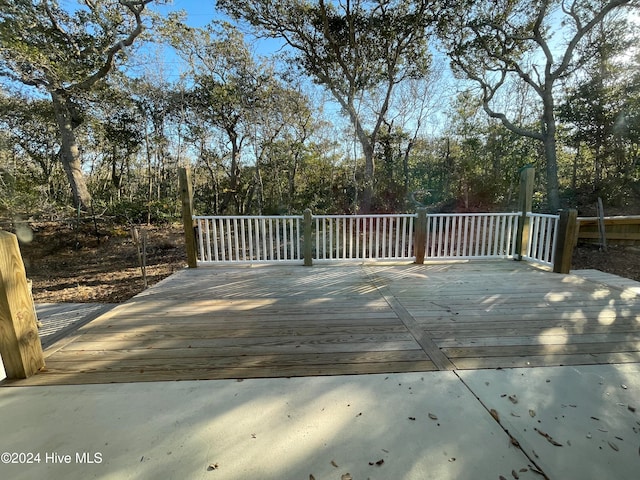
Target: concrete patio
{"x":432,"y":425}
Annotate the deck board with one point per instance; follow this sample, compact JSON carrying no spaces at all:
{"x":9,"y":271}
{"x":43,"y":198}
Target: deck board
{"x":281,"y":321}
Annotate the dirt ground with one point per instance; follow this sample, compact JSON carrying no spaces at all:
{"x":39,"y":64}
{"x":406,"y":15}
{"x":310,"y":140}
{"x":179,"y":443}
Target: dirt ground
{"x":68,"y":264}
{"x":71,"y":264}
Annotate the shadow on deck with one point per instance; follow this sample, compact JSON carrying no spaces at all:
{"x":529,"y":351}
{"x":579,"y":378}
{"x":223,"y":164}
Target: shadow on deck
{"x":283,"y":321}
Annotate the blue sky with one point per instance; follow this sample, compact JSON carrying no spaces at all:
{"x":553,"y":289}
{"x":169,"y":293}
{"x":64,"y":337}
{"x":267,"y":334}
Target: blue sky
{"x":198,"y":14}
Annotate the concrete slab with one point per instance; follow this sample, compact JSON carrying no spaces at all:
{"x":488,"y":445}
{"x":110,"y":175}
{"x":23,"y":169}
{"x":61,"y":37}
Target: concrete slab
{"x":399,"y":426}
{"x":592,"y":413}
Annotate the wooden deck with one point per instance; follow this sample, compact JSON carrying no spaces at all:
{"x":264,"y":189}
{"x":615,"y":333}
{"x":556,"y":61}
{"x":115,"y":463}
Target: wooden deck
{"x":280,"y":321}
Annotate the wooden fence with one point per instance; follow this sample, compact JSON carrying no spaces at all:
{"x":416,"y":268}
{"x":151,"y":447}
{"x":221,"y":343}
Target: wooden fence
{"x":619,"y":230}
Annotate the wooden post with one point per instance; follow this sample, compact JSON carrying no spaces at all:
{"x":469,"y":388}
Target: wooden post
{"x":567,"y":229}
{"x":308,"y":243}
{"x":20,"y":345}
{"x":525,"y":204}
{"x":601,"y":228}
{"x":186,"y":197}
{"x":420,"y":235}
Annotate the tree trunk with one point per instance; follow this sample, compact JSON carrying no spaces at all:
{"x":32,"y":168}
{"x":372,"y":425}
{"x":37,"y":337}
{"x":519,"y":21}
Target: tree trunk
{"x":70,"y":153}
{"x":553,"y":192}
{"x":550,"y":150}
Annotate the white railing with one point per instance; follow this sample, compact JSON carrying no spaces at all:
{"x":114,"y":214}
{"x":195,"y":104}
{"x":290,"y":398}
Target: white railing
{"x":471,"y":235}
{"x":364,"y":237}
{"x":267,"y":239}
{"x":249,"y":239}
{"x":543,"y":230}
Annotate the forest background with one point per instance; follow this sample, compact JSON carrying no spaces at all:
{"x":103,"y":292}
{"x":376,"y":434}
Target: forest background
{"x":338,"y":106}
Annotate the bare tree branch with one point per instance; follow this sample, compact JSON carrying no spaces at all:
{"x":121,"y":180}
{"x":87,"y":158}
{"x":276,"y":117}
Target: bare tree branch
{"x":136,"y":8}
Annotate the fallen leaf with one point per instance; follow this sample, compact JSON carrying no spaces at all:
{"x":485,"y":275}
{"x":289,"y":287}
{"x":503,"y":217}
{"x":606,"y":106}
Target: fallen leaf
{"x":631,"y":409}
{"x":513,"y":399}
{"x":495,"y":415}
{"x":432,"y":416}
{"x":334,"y":464}
{"x":515,"y":415}
{"x":514,"y":474}
{"x":212,"y":466}
{"x":412,"y":418}
{"x":452,"y":459}
{"x":523,"y":470}
{"x":548,"y":437}
{"x":532,"y":413}
{"x":346,"y":476}
{"x":595,"y":418}
{"x":614,"y":446}
{"x":624,"y":386}
{"x":502,"y":478}
{"x":311,"y":477}
{"x":380,"y":462}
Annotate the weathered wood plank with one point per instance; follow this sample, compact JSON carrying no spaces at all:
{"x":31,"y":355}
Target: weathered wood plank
{"x":528,"y":350}
{"x":174,"y":361}
{"x":460,"y":332}
{"x":545,"y":361}
{"x":550,"y":312}
{"x":550,"y":339}
{"x":228,"y":373}
{"x":113,"y":356}
{"x":200,"y":339}
{"x":256,"y":347}
{"x":119,"y":332}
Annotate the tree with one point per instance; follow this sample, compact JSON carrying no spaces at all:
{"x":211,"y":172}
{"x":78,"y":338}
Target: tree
{"x":228,"y":95}
{"x":64,"y":55}
{"x":499,"y":43}
{"x":600,"y":106}
{"x":354,"y":49}
{"x":29,"y":167}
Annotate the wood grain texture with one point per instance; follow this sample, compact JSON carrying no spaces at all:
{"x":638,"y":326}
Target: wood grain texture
{"x":19,"y":342}
{"x":280,"y":321}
